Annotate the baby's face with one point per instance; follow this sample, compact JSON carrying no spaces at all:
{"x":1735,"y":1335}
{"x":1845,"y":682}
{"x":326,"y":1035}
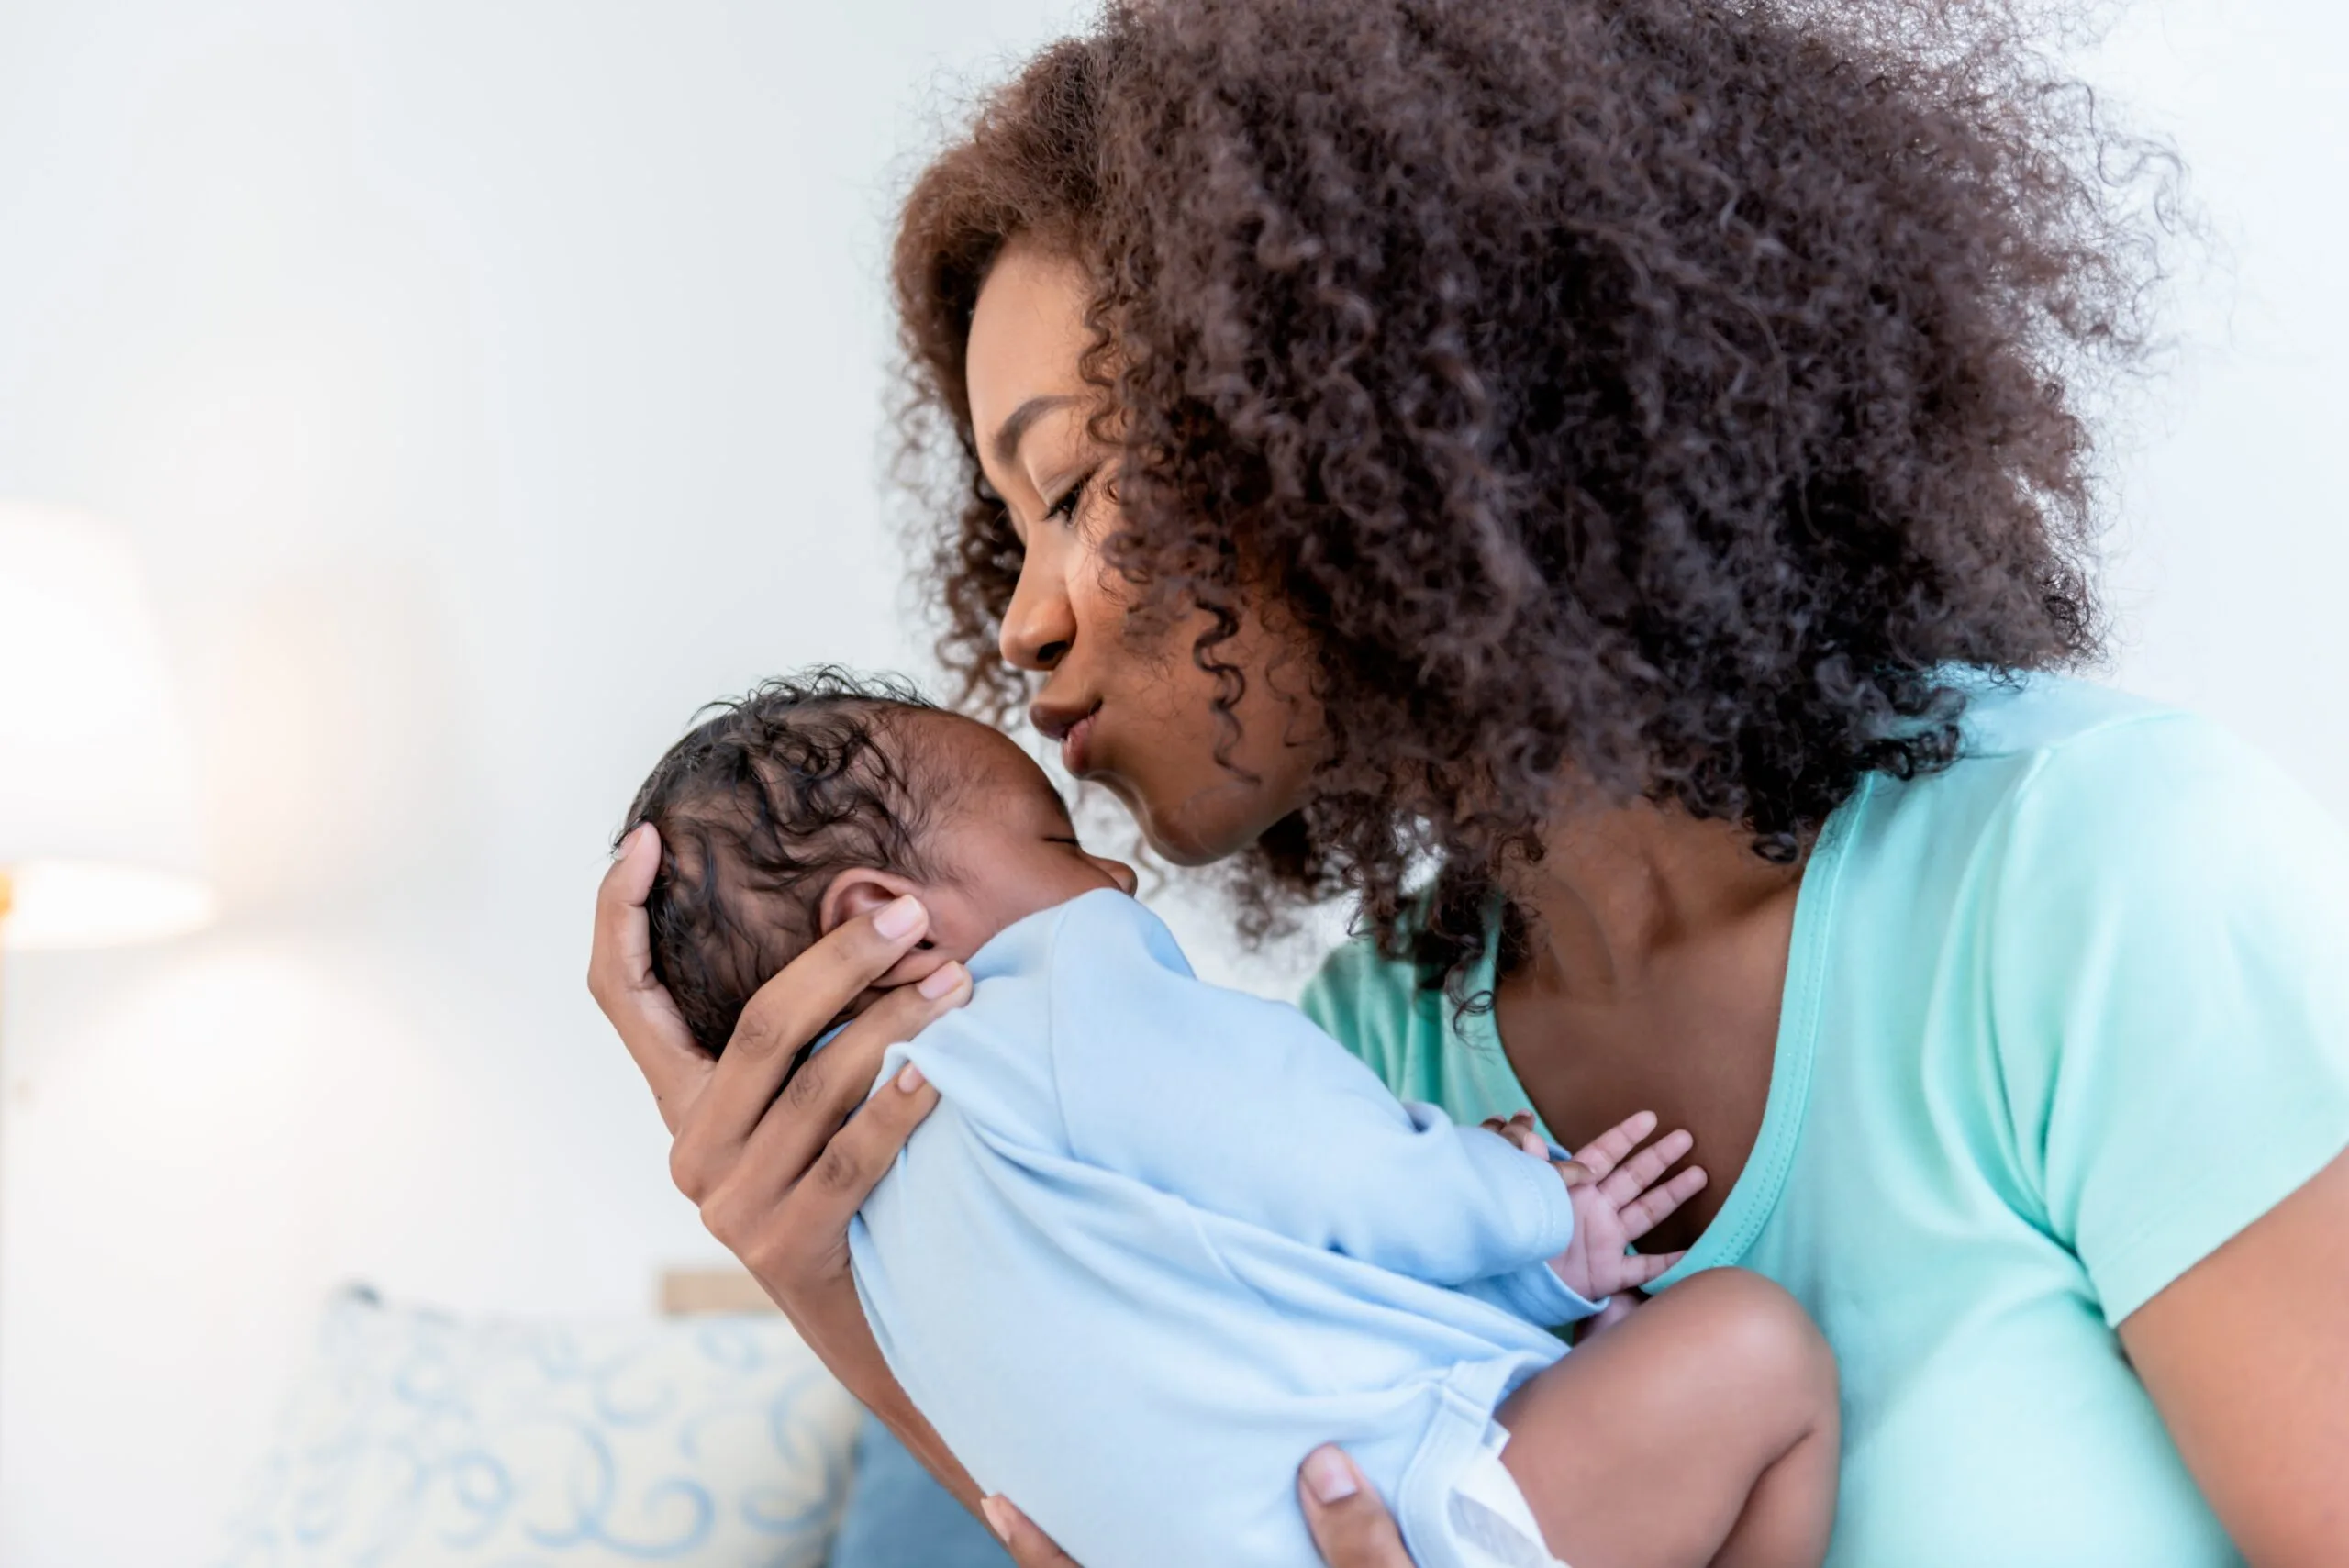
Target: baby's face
{"x":1004,"y":840}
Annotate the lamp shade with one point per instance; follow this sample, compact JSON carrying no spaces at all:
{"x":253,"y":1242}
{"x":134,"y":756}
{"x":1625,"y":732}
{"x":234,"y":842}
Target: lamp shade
{"x":98,"y":829}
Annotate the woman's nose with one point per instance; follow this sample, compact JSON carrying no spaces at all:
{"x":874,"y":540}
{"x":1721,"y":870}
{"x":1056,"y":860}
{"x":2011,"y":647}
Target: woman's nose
{"x":1040,"y":623}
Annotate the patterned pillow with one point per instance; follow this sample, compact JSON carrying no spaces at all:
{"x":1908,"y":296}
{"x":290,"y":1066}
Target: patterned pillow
{"x":419,"y":1440}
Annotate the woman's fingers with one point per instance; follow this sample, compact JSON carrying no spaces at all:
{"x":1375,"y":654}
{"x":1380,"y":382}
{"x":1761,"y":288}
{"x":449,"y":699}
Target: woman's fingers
{"x":783,"y":1205}
{"x":790,"y":1222}
{"x":1650,"y":1209}
{"x":1030,"y":1547}
{"x":619,"y":976}
{"x":859,"y":1155}
{"x":805,"y":1122}
{"x":1609,"y":1149}
{"x":813,"y":1144}
{"x":1637,"y":1173}
{"x":1349,"y":1523}
{"x":792,"y":1009}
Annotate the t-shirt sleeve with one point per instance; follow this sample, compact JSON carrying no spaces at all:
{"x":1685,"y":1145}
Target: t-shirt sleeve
{"x":1352,"y":998}
{"x":2169,"y":970}
{"x":1243,"y":1107}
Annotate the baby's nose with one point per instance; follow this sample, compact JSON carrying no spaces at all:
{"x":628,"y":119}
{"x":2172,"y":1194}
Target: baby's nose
{"x":1119,"y":872}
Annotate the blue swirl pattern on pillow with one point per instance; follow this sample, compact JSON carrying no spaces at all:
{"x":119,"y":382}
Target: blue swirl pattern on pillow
{"x":420,"y":1441}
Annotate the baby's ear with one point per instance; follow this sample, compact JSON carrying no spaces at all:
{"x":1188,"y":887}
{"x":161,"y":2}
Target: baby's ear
{"x":860,"y":890}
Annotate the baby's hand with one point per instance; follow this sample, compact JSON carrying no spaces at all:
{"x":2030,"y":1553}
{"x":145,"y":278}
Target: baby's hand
{"x":1613,"y":1184}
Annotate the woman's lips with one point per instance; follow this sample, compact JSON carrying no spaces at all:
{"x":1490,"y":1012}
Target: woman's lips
{"x":1074,"y":744}
{"x":1071,"y":727}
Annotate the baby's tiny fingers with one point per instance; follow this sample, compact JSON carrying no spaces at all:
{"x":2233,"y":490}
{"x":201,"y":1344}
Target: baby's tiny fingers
{"x":1603,"y":1153}
{"x":1642,"y":1268}
{"x":1645,"y":1213}
{"x":1574,"y":1172}
{"x":1638,"y":1173}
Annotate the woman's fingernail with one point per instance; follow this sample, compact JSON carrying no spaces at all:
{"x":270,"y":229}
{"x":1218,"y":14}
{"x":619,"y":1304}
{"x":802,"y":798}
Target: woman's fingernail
{"x":909,"y":1078}
{"x":899,"y":917}
{"x":939,"y":982}
{"x":993,"y":1508}
{"x":1329,"y":1476}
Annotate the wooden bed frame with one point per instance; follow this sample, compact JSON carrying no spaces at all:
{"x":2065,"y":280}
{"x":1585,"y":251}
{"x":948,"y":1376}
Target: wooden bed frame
{"x":686,"y":1292}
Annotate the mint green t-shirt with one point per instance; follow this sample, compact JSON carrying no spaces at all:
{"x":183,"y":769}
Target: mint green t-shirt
{"x":2059,"y":1020}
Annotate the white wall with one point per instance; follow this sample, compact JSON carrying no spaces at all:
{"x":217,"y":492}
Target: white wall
{"x":2230,"y":551}
{"x":488,"y":384}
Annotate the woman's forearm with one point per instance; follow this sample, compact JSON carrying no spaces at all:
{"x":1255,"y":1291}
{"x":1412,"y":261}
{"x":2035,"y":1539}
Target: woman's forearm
{"x":843,"y":1341}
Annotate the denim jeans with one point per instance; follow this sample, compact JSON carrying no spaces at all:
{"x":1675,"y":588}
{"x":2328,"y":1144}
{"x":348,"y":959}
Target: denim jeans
{"x":899,"y":1518}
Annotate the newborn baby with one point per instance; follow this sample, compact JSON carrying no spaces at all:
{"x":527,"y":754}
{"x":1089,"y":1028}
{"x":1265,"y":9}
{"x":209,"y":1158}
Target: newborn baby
{"x":1159,"y":1239}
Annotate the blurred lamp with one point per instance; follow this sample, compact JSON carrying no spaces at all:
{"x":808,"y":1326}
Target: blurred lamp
{"x":98,"y":838}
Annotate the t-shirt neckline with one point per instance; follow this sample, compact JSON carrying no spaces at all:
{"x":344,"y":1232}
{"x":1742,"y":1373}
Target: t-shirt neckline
{"x":1755,"y":1197}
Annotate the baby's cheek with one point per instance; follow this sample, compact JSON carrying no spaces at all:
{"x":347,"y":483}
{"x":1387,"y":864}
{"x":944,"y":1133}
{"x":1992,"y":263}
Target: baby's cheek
{"x":960,"y":924}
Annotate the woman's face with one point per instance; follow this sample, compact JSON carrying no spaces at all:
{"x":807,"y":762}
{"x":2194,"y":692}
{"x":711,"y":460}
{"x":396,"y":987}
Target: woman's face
{"x":1139,"y":719}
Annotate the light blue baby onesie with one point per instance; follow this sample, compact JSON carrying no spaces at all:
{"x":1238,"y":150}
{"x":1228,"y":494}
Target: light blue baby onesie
{"x":1159,"y":1239}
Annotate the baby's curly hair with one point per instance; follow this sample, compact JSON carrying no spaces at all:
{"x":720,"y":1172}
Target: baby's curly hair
{"x":1655,"y":395}
{"x":763,"y":802}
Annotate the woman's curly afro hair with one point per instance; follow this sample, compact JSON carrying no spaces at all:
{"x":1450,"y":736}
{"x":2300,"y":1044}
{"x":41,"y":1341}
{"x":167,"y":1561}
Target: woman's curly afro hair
{"x":1652,"y":396}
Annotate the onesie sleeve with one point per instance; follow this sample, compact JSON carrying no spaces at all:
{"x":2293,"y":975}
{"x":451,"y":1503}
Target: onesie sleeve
{"x":1536,"y":1294}
{"x":1243,"y":1107}
{"x":2169,"y":941}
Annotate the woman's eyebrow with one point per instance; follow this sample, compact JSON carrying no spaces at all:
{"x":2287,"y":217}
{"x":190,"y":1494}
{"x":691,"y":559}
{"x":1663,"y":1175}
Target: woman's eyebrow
{"x":1014,"y":430}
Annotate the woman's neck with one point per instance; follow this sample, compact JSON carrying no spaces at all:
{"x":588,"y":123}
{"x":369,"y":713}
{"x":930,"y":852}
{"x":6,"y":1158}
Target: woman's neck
{"x":1618,"y":888}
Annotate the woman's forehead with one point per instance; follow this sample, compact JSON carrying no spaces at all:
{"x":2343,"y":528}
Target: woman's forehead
{"x":1027,"y":334}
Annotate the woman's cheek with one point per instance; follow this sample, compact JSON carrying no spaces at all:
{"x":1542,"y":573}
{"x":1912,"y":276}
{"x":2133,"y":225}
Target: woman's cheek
{"x":1199,"y":792}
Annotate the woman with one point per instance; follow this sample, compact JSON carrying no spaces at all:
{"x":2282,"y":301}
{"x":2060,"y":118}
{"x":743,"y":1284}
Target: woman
{"x":1604,"y":484}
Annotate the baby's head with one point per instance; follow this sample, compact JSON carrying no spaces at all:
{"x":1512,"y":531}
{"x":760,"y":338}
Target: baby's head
{"x":820,"y":796}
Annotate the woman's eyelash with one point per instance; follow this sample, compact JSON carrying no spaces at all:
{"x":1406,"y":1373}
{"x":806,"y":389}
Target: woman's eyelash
{"x":1072,"y":499}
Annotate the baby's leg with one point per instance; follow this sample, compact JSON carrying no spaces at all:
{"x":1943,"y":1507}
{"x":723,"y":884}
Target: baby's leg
{"x":1701,"y":1430}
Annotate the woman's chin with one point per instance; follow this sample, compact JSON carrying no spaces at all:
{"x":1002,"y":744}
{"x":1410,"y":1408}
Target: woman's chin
{"x":1199,"y":831}
{"x":1185,"y":851}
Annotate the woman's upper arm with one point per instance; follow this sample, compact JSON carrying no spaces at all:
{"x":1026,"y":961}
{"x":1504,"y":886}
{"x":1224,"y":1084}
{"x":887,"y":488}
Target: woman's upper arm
{"x":2171,"y":986}
{"x":2246,"y":1355}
